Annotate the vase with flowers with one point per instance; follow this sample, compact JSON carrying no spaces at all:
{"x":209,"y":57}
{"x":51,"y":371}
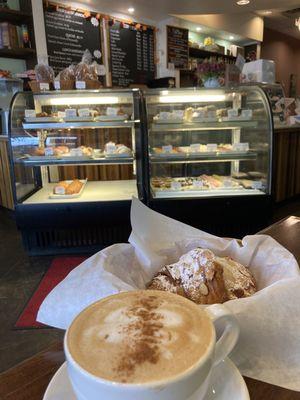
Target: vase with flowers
{"x":211,"y":73}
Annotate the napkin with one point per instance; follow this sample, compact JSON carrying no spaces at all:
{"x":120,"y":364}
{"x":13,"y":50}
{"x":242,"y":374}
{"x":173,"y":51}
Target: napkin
{"x":269,"y":345}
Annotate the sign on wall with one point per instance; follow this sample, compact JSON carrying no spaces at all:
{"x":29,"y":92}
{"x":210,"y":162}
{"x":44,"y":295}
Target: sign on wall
{"x":69,"y":32}
{"x":131,"y":53}
{"x":177,"y":47}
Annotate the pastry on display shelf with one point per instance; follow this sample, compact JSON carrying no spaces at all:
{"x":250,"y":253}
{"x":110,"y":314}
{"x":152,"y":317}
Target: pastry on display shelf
{"x":67,"y":187}
{"x":223,"y":147}
{"x":239,"y":175}
{"x":112,"y":149}
{"x":161,"y":150}
{"x":205,"y":278}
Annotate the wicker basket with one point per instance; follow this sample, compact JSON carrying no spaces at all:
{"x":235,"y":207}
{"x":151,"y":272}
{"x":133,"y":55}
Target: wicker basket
{"x":67,"y":85}
{"x":89,"y":84}
{"x":35,"y":86}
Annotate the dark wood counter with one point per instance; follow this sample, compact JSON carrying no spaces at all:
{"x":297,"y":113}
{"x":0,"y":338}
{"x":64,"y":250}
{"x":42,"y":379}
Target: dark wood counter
{"x":29,"y":380}
{"x":286,"y":176}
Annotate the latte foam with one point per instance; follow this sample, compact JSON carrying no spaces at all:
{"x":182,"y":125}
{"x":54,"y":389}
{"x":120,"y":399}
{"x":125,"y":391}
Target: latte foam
{"x":140,"y":336}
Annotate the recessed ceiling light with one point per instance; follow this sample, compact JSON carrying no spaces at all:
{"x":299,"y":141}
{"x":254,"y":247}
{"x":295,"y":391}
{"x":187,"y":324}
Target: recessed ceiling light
{"x":198,"y":29}
{"x":130,"y":10}
{"x":231,"y":37}
{"x":242,"y":2}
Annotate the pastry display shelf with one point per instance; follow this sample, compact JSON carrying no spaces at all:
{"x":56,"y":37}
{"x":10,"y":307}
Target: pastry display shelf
{"x":203,"y":126}
{"x":94,"y":191}
{"x":199,"y":158}
{"x":75,"y":161}
{"x":78,"y":125}
{"x":168,"y":194}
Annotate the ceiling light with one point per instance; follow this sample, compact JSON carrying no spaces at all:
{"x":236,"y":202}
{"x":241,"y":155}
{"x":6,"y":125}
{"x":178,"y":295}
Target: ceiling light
{"x":267,"y":12}
{"x":242,"y":2}
{"x":231,"y":37}
{"x":198,"y":29}
{"x":130,"y":10}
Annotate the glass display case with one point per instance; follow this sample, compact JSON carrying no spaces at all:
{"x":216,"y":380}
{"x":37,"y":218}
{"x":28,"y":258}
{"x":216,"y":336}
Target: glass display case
{"x":277,"y":100}
{"x":76,"y":151}
{"x":208,"y":143}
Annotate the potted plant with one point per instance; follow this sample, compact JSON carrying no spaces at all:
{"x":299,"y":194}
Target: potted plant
{"x":211,"y":73}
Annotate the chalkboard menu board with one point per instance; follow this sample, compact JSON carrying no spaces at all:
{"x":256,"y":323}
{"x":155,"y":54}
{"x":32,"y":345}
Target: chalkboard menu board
{"x":131,"y":54}
{"x":178,"y":47}
{"x":69,"y":33}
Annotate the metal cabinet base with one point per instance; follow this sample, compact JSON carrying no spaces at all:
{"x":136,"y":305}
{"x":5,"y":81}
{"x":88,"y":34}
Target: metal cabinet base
{"x":73,"y":228}
{"x":230,"y":217}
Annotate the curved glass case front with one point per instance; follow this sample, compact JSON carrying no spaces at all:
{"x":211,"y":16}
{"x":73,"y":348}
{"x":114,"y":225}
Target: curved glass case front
{"x":208,"y":142}
{"x":86,"y":139}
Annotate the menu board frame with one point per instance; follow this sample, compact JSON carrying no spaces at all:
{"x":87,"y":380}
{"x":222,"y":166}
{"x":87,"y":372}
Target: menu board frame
{"x":178,"y":64}
{"x":96,"y":15}
{"x":134,"y":27}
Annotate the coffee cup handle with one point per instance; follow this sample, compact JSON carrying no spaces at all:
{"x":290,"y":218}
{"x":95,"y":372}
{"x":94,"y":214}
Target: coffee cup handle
{"x":227,"y":325}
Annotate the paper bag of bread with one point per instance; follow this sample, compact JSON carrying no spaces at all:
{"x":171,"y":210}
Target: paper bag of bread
{"x":257,"y":278}
{"x":44,"y":76}
{"x":65,"y":80}
{"x":86,"y":72}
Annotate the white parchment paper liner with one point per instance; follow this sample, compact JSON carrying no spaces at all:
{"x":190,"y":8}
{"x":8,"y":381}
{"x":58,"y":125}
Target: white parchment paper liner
{"x":269,"y":344}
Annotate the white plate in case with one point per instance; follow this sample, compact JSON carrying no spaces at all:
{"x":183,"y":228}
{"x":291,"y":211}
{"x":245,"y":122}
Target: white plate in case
{"x":69,"y":196}
{"x":226,"y":384}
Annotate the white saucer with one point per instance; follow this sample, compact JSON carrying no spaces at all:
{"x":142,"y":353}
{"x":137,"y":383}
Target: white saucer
{"x":226,"y":383}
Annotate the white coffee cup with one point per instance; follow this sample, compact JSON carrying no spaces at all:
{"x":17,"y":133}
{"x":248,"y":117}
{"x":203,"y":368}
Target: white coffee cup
{"x":196,"y":380}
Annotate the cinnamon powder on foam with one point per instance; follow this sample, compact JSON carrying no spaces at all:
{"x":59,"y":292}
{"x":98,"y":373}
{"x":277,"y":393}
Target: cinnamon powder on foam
{"x":142,"y":342}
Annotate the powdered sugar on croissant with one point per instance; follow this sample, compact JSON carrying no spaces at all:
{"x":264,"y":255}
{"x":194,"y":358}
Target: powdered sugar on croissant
{"x":205,"y":278}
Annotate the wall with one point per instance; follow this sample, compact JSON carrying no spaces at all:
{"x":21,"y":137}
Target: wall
{"x":8,"y":63}
{"x":285,"y":51}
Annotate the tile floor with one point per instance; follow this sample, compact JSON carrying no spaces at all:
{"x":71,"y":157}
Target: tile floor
{"x":19,"y":277}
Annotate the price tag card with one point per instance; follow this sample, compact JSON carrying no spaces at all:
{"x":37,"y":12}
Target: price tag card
{"x":233,"y":113}
{"x":245,"y":146}
{"x":198,"y":184}
{"x":44,"y":86}
{"x":195,"y":148}
{"x":76,"y":152}
{"x":71,"y":112}
{"x":258,"y":185}
{"x":30,"y":114}
{"x":112,"y":111}
{"x":84,"y":112}
{"x":211,"y":147}
{"x":49,"y":151}
{"x":237,"y":147}
{"x":61,"y":114}
{"x":176,"y":185}
{"x":110,"y":148}
{"x":247,"y":114}
{"x":242,"y":147}
{"x":80,"y":85}
{"x":57,"y":85}
{"x":60,"y":190}
{"x":167,"y":149}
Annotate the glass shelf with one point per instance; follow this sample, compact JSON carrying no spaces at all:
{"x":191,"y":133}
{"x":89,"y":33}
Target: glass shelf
{"x":78,"y":125}
{"x":199,"y":158}
{"x":205,"y":126}
{"x":75,"y":161}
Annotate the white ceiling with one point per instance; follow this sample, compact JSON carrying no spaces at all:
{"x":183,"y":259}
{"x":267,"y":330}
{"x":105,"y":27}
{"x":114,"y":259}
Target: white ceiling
{"x":157,"y":10}
{"x":160,"y":9}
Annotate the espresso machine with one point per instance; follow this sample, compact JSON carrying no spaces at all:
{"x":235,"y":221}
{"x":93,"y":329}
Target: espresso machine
{"x":8,"y":87}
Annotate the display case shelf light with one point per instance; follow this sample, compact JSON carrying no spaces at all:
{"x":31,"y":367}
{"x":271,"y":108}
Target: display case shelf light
{"x":66,"y":101}
{"x":206,"y":98}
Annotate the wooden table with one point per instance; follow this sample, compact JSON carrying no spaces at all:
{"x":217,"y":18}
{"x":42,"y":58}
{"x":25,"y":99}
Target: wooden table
{"x":29,"y":380}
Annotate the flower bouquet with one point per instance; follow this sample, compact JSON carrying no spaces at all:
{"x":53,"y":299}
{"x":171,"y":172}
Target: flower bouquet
{"x":211,"y":73}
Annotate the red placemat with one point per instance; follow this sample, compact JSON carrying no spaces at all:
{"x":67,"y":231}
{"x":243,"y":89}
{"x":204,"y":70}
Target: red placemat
{"x":59,"y":269}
